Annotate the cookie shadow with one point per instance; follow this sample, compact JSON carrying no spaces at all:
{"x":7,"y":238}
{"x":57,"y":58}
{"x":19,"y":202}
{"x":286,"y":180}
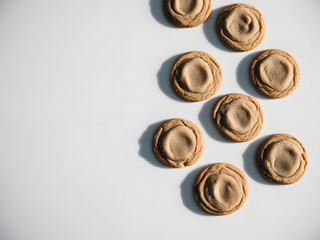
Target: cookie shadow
{"x":145,"y":143}
{"x":163,"y":77}
{"x":156,"y":9}
{"x":186,"y":188}
{"x":243,"y":76}
{"x":205,"y":118}
{"x":249,"y":162}
{"x":209,"y":30}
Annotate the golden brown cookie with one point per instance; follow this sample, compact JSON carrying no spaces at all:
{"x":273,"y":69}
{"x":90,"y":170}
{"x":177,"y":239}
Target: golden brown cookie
{"x":187,"y":13}
{"x":196,"y":76}
{"x":240,"y":27}
{"x":282,"y":159}
{"x":221,"y":189}
{"x":275,"y":73}
{"x":178,"y":143}
{"x":238,"y":117}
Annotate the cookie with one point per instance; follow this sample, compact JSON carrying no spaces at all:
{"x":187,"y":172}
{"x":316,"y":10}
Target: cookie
{"x":282,"y":159}
{"x":187,"y":13}
{"x":196,"y":76}
{"x":221,"y":189}
{"x":238,"y":117}
{"x":178,"y":143}
{"x":275,"y":73}
{"x":240,"y":27}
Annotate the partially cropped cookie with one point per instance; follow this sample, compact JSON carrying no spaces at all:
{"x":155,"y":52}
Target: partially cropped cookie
{"x":240,"y":27}
{"x":238,"y":117}
{"x":178,"y":143}
{"x":275,"y":73}
{"x":221,"y":189}
{"x":187,"y":13}
{"x":196,"y":76}
{"x":282,"y":159}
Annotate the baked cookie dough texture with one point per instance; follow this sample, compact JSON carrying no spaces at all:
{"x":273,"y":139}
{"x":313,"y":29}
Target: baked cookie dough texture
{"x":282,"y":159}
{"x":220,"y":189}
{"x":187,"y":13}
{"x":240,"y":27}
{"x":178,"y":143}
{"x":196,"y":76}
{"x":275,"y":73}
{"x":238,"y":117}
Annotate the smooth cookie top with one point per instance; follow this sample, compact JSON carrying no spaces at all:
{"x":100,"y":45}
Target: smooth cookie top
{"x":196,"y":76}
{"x":221,"y":189}
{"x":275,"y":73}
{"x":187,"y":13}
{"x":240,"y":27}
{"x":238,"y":117}
{"x":178,"y":143}
{"x":282,"y":159}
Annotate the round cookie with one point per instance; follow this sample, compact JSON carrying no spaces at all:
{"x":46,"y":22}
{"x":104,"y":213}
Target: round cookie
{"x":196,"y":76}
{"x":282,"y":159}
{"x":275,"y":73}
{"x":238,"y":117}
{"x":220,"y":189}
{"x":187,"y":13}
{"x":178,"y":143}
{"x":240,"y":27}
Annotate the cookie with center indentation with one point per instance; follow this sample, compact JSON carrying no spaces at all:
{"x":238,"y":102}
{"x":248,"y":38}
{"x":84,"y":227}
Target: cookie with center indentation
{"x":275,"y":73}
{"x":221,"y":189}
{"x":196,"y":76}
{"x":187,"y":13}
{"x":282,"y":159}
{"x":238,"y":117}
{"x":178,"y":143}
{"x":240,"y":27}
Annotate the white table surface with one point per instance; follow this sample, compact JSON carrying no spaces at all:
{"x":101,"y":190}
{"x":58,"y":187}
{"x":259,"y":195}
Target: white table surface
{"x":83,"y":85}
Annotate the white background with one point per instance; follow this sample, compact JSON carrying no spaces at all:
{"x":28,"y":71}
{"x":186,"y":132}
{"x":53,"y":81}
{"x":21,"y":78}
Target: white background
{"x":83,"y":85}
